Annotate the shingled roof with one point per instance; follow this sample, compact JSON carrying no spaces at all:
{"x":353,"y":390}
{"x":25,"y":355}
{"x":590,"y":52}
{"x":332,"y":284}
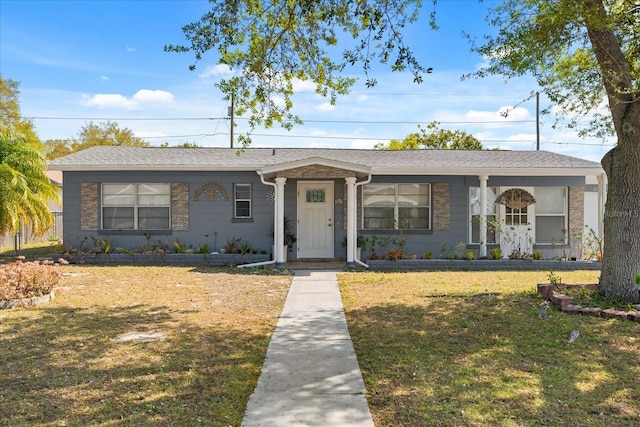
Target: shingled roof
{"x":441,"y":162}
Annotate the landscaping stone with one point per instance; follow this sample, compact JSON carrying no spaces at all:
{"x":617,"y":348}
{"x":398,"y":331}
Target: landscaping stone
{"x":149,"y":336}
{"x":611,"y":313}
{"x":27,"y":301}
{"x":545,"y":289}
{"x":591,"y":311}
{"x":560,"y":300}
{"x":572,"y":309}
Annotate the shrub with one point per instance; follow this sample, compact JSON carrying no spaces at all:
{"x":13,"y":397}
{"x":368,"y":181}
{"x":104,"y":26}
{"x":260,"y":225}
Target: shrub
{"x":395,"y":254}
{"x":20,"y":279}
{"x":496,"y":253}
{"x":427,"y":255}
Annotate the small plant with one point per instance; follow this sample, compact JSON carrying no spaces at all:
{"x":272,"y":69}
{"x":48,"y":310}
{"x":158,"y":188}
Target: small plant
{"x":245,"y":248}
{"x":470,"y":255}
{"x":289,"y":236}
{"x":179,"y":247}
{"x":637,"y":279}
{"x":232,"y":246}
{"x":555,"y":280}
{"x":203,"y":249}
{"x":102,"y":245}
{"x":427,"y":255}
{"x":536,"y":255}
{"x":496,"y":253}
{"x":395,"y":254}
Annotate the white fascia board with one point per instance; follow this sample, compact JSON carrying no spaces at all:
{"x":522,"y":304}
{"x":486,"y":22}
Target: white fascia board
{"x":491,"y":172}
{"x":142,"y":168}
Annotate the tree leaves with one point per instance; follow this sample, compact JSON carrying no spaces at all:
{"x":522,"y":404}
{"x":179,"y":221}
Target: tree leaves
{"x":270,"y":45}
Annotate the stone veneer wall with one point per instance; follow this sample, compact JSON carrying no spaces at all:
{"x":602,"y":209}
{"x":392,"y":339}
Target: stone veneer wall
{"x":441,"y":206}
{"x":576,"y":210}
{"x":89,"y":206}
{"x":180,"y":206}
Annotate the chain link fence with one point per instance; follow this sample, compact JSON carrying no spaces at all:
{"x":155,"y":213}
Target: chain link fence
{"x":25,"y":235}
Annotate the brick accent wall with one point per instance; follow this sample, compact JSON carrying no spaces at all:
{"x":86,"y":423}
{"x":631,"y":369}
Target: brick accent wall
{"x":180,"y":206}
{"x":441,"y":206}
{"x":89,"y":206}
{"x":576,"y":210}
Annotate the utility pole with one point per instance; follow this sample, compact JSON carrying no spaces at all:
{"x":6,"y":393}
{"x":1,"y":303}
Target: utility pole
{"x":537,"y":121}
{"x":231,"y":117}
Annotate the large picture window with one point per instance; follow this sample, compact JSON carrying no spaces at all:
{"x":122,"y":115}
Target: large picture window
{"x":474,"y":213}
{"x":396,"y":206}
{"x":136,"y":206}
{"x":242,"y":200}
{"x":551,"y":215}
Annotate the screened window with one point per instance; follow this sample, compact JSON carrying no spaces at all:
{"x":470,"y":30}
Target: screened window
{"x":242,"y":200}
{"x":396,"y":206}
{"x":551,"y":215}
{"x":136,"y":206}
{"x":474,"y":212}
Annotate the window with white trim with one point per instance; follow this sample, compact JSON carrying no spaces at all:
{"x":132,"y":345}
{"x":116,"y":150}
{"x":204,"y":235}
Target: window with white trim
{"x":242,"y":200}
{"x":474,"y":214}
{"x":551,"y":215}
{"x":136,"y":206}
{"x":396,"y":206}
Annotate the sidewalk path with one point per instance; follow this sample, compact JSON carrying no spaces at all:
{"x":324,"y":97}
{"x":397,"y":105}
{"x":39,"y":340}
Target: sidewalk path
{"x":310,"y":375}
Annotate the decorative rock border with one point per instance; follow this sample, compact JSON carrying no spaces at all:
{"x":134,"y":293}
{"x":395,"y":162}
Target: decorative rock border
{"x":564,"y":303}
{"x":27,"y":301}
{"x":172,"y":259}
{"x":480,"y":265}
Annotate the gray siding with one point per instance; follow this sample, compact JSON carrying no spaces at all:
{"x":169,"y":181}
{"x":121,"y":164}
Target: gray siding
{"x":210,"y":220}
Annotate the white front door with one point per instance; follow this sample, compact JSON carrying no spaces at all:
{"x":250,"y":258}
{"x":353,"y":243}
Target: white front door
{"x":315,"y":219}
{"x":517,"y":228}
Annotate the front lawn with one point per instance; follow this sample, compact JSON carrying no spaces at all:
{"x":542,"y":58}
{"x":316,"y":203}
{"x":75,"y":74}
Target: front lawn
{"x":468,"y":349}
{"x":59,"y":364}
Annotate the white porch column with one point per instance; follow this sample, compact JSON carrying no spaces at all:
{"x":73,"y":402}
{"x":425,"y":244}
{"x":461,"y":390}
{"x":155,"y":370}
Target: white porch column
{"x":278,"y":236}
{"x":482,"y":252}
{"x":351,"y":221}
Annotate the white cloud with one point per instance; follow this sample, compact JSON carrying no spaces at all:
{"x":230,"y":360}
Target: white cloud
{"x":300,"y":86}
{"x":114,"y":100}
{"x":325,"y":106}
{"x":104,"y":78}
{"x":216,"y":70}
{"x":108,"y":100}
{"x":130,"y":49}
{"x":146,"y":95}
{"x":151,"y":134}
{"x":514,"y":114}
{"x":365,"y":143}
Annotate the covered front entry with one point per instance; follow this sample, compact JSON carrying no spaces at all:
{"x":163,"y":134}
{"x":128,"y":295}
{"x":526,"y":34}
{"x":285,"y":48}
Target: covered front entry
{"x":315,"y":226}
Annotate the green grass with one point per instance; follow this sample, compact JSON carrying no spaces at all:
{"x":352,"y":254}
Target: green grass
{"x":468,"y":349}
{"x":60,"y":366}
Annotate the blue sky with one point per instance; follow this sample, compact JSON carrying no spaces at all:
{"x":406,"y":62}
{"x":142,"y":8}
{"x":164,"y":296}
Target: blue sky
{"x":78,"y":61}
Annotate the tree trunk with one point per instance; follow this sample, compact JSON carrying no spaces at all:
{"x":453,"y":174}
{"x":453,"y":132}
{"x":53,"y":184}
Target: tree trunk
{"x":621,"y":258}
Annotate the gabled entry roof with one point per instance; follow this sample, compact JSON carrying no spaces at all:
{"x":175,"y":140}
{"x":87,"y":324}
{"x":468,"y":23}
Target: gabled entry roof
{"x":377,"y":162}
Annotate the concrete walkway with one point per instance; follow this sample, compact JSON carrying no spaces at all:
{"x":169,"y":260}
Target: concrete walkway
{"x":311,"y":375}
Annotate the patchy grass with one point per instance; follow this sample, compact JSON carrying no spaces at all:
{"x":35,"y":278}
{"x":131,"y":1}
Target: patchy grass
{"x":60,"y":366}
{"x":467,"y":348}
